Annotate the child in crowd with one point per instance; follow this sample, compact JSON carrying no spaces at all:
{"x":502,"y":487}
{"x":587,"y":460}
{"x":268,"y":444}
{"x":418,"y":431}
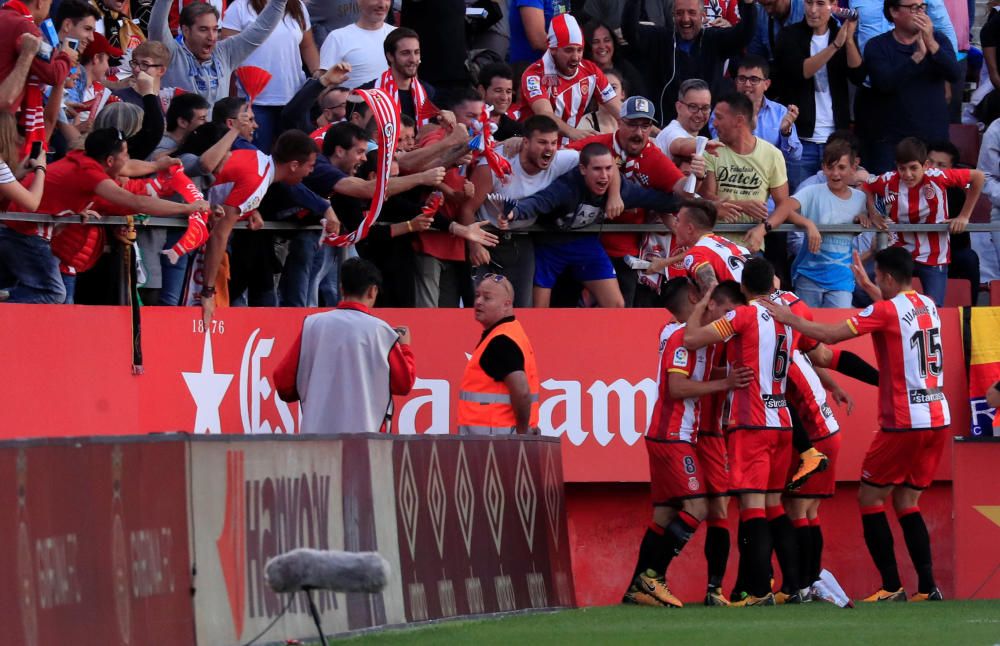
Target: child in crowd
{"x":915,"y":193}
{"x":821,"y":272}
{"x":964,"y":260}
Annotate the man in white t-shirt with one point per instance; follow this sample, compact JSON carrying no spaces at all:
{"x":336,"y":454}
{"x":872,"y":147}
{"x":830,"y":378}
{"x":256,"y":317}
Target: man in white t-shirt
{"x":694,"y":104}
{"x":360,"y":44}
{"x":538,"y":163}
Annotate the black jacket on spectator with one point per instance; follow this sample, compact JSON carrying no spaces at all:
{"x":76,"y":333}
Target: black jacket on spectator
{"x":666,"y":65}
{"x":791,"y":50}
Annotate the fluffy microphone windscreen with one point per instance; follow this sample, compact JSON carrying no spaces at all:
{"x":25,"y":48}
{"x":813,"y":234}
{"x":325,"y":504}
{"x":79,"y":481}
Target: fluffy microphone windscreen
{"x":306,"y":568}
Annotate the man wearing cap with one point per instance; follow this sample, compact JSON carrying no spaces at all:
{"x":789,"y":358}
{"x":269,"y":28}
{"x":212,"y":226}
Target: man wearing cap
{"x":561,"y":84}
{"x":500,"y":387}
{"x":640,"y":161}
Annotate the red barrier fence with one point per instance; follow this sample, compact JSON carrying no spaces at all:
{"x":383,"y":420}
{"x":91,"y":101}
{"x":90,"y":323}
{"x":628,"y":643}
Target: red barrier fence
{"x":140,"y":540}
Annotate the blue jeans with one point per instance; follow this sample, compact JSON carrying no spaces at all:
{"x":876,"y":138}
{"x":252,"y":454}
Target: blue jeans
{"x":29,"y":269}
{"x":294,"y":286}
{"x":267,"y":123}
{"x":324,"y":277}
{"x":934,"y":279}
{"x":172,"y":282}
{"x":69,"y":280}
{"x":806,"y":166}
{"x":815,"y":295}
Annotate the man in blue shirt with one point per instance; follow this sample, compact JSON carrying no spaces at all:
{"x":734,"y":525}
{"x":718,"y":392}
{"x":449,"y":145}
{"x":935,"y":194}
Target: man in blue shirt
{"x":529,"y":25}
{"x":775,"y":123}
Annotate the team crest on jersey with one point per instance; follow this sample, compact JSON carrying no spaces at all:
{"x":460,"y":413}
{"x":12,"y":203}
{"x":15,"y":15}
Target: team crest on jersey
{"x":693,"y":483}
{"x":867,"y":311}
{"x":928,"y":191}
{"x":681,"y":357}
{"x":688,"y":261}
{"x":730,"y":315}
{"x":585,"y":87}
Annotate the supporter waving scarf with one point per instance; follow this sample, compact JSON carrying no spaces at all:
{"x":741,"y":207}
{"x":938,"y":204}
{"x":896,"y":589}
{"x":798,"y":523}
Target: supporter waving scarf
{"x":32,"y":107}
{"x":386,"y":112}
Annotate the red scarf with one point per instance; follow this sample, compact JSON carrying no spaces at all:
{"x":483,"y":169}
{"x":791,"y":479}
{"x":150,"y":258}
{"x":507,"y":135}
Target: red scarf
{"x":425,"y":109}
{"x":386,"y":113}
{"x":33,"y":105}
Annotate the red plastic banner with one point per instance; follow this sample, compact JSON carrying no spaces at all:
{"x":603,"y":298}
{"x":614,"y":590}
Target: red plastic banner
{"x":68,"y":374}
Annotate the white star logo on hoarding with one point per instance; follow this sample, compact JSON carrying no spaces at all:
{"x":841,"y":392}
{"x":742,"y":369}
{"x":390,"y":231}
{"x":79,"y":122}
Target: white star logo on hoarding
{"x":208,"y":388}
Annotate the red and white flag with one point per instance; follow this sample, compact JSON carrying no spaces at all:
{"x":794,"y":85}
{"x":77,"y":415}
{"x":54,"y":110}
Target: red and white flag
{"x":387,"y":128}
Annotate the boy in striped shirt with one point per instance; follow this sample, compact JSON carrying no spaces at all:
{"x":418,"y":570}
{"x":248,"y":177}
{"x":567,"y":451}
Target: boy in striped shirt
{"x":916,"y":193}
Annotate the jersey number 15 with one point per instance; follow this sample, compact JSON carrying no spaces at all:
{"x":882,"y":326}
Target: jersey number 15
{"x":928,"y":346}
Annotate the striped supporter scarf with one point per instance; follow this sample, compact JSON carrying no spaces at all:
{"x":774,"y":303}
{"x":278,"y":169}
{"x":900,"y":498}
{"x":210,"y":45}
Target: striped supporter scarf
{"x":386,"y":112}
{"x":425,"y":109}
{"x":32,"y":111}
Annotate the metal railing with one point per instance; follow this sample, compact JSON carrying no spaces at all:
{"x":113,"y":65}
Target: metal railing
{"x":182,"y":222}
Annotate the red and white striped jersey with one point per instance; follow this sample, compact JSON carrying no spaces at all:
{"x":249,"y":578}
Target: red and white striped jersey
{"x":723,"y":255}
{"x":757,"y":341}
{"x":925,"y":203}
{"x":243,"y":181}
{"x":678,"y":420}
{"x":906,"y":332}
{"x":805,"y":391}
{"x":569,"y":96}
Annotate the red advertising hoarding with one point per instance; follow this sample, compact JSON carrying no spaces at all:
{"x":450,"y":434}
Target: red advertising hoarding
{"x":597,"y":369}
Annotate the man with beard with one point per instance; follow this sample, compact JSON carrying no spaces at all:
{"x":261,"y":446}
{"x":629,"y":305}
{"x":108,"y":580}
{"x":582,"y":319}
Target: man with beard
{"x":538,"y":163}
{"x":402,"y":52}
{"x":683,"y":49}
{"x":562,"y":83}
{"x":639,"y":161}
{"x":576,"y":200}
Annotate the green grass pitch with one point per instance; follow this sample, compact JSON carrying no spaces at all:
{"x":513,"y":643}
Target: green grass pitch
{"x":923,"y":624}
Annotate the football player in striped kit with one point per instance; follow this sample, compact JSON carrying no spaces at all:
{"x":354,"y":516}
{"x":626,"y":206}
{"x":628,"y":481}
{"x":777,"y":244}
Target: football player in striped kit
{"x":913,"y":413}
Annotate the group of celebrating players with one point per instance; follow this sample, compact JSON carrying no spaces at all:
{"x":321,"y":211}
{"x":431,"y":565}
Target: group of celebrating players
{"x":743,"y":381}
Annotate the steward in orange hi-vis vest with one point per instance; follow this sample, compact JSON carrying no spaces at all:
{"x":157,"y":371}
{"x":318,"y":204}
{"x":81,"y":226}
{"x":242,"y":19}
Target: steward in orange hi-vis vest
{"x":500,"y":387}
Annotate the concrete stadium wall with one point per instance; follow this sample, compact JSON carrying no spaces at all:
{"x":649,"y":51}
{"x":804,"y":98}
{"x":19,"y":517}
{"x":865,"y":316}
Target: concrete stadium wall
{"x":164,"y":540}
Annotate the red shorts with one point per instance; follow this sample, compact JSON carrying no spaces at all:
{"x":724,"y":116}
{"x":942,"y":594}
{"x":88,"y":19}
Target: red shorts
{"x":758,"y":459}
{"x":714,"y":461}
{"x":909,"y":458}
{"x":674,"y":473}
{"x":820,"y":485}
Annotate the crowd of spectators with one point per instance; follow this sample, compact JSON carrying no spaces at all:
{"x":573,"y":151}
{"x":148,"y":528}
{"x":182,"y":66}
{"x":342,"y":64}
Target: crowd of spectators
{"x":815,"y":113}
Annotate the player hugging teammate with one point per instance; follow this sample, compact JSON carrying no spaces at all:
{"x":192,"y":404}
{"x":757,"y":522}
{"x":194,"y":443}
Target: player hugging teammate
{"x":743,"y":386}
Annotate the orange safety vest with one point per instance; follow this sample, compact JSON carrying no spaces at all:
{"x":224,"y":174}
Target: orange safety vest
{"x":484,"y":405}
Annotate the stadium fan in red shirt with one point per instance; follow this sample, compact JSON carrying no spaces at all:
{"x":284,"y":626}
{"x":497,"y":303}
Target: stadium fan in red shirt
{"x":759,"y":425}
{"x":913,"y":413}
{"x":640,"y":161}
{"x":240,"y":186}
{"x":562,"y":83}
{"x":678,"y":480}
{"x":75,"y":183}
{"x":916,"y":193}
